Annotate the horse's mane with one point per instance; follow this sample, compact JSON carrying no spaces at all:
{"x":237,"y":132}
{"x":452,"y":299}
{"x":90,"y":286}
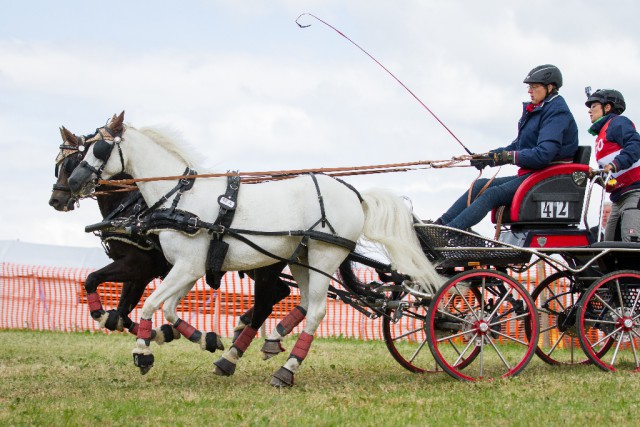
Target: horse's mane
{"x":171,"y":141}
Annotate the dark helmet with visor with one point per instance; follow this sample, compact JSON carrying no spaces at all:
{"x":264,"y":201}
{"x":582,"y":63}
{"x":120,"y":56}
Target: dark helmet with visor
{"x":608,"y":96}
{"x":545,"y":74}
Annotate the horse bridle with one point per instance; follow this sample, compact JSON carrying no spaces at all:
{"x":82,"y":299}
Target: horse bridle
{"x":104,"y":141}
{"x":69,"y":158}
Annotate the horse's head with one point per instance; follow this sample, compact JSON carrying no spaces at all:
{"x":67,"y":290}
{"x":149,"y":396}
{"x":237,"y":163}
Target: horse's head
{"x":98,"y":162}
{"x":71,"y":154}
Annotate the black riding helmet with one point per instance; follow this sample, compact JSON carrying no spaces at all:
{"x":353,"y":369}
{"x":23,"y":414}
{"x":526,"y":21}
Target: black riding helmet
{"x":608,"y":96}
{"x":545,"y":74}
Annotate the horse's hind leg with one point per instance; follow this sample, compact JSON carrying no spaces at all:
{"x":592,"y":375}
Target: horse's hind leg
{"x":317,"y":308}
{"x":209,"y":341}
{"x":278,"y":290}
{"x":267,"y":294}
{"x":273,"y":343}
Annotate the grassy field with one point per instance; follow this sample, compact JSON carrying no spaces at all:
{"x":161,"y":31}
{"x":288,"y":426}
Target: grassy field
{"x":88,"y":379}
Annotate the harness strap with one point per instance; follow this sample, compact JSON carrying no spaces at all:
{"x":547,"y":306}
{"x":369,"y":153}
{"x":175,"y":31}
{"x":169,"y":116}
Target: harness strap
{"x":323,"y":216}
{"x":132,"y":200}
{"x":183,"y":185}
{"x":237,"y":235}
{"x":228,"y":202}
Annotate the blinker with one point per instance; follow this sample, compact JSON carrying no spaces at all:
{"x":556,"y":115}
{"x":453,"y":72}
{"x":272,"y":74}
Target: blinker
{"x":102,"y":150}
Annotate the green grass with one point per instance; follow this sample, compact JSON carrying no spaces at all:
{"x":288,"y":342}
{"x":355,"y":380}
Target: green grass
{"x":88,"y":379}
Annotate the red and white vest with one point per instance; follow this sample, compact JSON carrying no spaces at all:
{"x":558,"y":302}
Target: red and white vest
{"x":606,"y":151}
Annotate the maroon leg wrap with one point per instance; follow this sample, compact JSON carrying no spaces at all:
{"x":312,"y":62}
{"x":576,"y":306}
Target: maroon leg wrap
{"x":94,"y":301}
{"x":246,"y":336}
{"x":144,"y":329}
{"x":292,"y":320}
{"x":302,"y":346}
{"x":134,"y":328}
{"x":187,"y":331}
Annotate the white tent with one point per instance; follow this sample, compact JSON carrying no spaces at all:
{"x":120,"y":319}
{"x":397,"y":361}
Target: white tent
{"x":17,"y":252}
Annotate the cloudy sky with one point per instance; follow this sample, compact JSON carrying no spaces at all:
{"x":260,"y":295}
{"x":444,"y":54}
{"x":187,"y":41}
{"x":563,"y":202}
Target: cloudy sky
{"x":251,"y":91}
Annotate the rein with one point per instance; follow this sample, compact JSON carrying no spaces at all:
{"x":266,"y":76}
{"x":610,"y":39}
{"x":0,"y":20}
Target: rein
{"x":257,"y":177}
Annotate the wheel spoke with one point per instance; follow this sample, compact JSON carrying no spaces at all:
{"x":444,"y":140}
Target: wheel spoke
{"x":415,"y":353}
{"x":519,"y":316}
{"x":615,"y":352}
{"x":407,"y":334}
{"x":633,"y":348}
{"x":553,"y":347}
{"x":620,"y":301}
{"x":464,"y":351}
{"x":606,"y":305}
{"x":453,"y":316}
{"x":499,"y":354}
{"x":509,"y":337}
{"x":606,"y":337}
{"x":466,"y":302}
{"x":456,"y":335}
{"x":504,"y":297}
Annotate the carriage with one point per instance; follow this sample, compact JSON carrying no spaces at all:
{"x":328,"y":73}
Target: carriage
{"x":482,"y":322}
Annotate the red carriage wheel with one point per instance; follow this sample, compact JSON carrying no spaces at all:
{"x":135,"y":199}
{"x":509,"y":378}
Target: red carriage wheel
{"x":476,"y":326}
{"x":609,"y":317}
{"x":405,"y":335}
{"x":556,"y":299}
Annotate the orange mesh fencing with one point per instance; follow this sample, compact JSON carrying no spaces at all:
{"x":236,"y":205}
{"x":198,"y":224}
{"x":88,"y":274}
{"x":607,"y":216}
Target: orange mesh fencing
{"x":50,"y":298}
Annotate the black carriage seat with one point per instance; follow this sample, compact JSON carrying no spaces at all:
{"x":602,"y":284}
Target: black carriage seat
{"x":550,"y":197}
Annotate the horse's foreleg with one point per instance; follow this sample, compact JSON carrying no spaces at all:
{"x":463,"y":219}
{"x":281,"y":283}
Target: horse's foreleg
{"x":268,"y":291}
{"x":176,"y":284}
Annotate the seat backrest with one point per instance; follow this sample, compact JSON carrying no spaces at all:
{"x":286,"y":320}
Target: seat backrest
{"x":583,"y":155}
{"x":552,"y":196}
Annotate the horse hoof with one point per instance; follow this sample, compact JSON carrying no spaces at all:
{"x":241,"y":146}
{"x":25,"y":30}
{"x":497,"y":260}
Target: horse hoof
{"x":143,"y":361}
{"x":213,"y":342}
{"x":144,"y":370}
{"x":282,"y":378}
{"x":271,"y":348}
{"x":224,"y":368}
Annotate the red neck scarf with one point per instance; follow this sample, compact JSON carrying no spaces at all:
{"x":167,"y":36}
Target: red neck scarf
{"x":531,"y":107}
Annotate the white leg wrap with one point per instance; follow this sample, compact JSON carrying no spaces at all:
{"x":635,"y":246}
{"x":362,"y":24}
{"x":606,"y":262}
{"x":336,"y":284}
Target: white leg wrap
{"x":232,"y":355}
{"x":141,"y":348}
{"x":292,"y":364}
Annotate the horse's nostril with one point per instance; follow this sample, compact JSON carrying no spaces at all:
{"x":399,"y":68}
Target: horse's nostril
{"x":54,"y":202}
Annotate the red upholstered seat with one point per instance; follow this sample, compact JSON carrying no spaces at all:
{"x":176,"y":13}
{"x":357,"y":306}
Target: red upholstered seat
{"x":553,"y":195}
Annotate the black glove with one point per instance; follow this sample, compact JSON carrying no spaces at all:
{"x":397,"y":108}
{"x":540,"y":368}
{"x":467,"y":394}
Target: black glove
{"x":503,"y":158}
{"x":481,"y":163}
{"x":493,"y":159}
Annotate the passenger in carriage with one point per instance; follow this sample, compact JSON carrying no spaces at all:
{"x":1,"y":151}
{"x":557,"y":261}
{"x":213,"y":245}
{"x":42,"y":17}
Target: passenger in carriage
{"x":606,"y":211}
{"x":547,"y":134}
{"x":617,"y":151}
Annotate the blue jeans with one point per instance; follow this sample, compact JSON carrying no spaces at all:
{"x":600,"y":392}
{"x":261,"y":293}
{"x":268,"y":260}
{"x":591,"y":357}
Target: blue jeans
{"x":499,"y":192}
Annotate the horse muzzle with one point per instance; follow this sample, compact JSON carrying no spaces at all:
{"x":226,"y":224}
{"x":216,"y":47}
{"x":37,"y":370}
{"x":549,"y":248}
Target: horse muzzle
{"x":82,"y":181}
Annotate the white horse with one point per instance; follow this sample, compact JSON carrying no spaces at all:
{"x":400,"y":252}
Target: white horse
{"x":332,"y":209}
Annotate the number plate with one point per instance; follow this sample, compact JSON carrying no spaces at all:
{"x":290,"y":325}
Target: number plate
{"x":554,"y":209}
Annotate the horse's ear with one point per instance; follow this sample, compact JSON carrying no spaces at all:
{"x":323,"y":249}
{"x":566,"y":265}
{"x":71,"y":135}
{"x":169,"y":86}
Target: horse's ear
{"x":68,"y":136}
{"x":116,"y":124}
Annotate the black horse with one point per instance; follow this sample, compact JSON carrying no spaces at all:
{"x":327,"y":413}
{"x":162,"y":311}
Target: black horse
{"x":137,"y":259}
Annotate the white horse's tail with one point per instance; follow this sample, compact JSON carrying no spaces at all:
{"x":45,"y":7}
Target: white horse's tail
{"x":388,"y":221}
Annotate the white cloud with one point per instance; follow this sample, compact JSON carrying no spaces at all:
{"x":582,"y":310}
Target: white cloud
{"x":251,"y":91}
